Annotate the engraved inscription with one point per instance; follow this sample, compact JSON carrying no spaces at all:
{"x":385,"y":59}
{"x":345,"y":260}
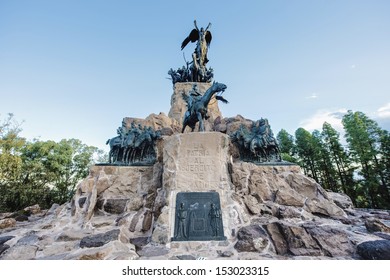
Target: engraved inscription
{"x":198,"y":162}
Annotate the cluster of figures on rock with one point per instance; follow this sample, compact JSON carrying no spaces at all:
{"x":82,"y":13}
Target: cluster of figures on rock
{"x":187,"y":74}
{"x":135,"y":146}
{"x":195,"y":71}
{"x":257,"y":144}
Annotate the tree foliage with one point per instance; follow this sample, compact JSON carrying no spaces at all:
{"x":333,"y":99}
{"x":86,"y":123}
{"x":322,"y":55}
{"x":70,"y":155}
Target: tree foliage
{"x":43,"y":172}
{"x":360,"y":168}
{"x":10,"y":146}
{"x":364,"y":137}
{"x":287,"y":146}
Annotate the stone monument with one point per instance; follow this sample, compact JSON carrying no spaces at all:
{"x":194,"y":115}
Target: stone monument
{"x":169,"y":192}
{"x":195,"y":178}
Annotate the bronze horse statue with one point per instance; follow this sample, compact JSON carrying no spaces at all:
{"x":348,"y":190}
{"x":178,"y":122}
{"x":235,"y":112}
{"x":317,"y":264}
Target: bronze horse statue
{"x":197,"y":106}
{"x":115,"y":146}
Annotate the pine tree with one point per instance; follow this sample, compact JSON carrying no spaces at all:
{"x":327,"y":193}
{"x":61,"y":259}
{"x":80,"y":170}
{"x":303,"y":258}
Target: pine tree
{"x":363,"y":137}
{"x":323,"y":164}
{"x":340,"y":160}
{"x":286,"y":145}
{"x":306,"y":152}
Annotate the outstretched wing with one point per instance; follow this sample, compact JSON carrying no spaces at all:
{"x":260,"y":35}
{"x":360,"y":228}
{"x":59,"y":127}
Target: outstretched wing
{"x":194,"y":35}
{"x":208,"y":38}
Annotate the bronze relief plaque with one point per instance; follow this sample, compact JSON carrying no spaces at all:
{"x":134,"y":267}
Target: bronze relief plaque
{"x":198,"y":217}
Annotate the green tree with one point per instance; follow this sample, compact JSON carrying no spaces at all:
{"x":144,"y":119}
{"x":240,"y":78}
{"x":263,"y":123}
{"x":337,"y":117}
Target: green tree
{"x":323,"y":164}
{"x":314,"y":158}
{"x":57,"y":166}
{"x":340,"y":160}
{"x":385,"y":155}
{"x":10,"y":161}
{"x":286,"y":145}
{"x":43,"y":172}
{"x":306,"y":152}
{"x":78,"y":157}
{"x":10,"y":145}
{"x":363,"y":137}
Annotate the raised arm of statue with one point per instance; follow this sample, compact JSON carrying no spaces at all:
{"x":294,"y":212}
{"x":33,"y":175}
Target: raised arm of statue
{"x":196,"y":27}
{"x":208,"y":26}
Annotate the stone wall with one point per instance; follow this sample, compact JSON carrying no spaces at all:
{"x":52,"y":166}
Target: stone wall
{"x":126,"y":190}
{"x":269,"y":212}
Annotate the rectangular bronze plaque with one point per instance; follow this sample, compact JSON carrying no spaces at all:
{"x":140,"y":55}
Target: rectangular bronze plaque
{"x":198,"y":217}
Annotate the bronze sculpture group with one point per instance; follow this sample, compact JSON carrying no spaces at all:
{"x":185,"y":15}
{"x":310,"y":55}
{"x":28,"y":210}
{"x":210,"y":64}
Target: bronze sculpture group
{"x":137,"y":145}
{"x":258,"y":144}
{"x":195,"y":71}
{"x":197,"y":106}
{"x":198,"y":215}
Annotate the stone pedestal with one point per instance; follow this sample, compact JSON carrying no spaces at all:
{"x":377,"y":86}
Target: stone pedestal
{"x":179,"y":106}
{"x":196,"y":162}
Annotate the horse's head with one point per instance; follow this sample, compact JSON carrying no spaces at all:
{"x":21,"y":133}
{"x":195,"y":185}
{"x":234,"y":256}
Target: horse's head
{"x":219,"y":87}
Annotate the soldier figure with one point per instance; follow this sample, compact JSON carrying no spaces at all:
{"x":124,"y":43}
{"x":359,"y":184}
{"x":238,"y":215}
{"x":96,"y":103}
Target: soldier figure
{"x":182,"y":226}
{"x":215,"y":217}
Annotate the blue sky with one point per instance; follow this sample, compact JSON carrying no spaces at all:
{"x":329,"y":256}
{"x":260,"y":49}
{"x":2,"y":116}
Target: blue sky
{"x":74,"y":69}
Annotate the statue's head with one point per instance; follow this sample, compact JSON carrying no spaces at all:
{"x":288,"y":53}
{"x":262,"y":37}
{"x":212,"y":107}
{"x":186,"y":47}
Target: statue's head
{"x":262,"y":121}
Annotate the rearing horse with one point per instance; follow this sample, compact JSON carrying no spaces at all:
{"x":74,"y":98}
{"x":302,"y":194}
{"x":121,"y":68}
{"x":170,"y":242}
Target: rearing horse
{"x":198,"y":109}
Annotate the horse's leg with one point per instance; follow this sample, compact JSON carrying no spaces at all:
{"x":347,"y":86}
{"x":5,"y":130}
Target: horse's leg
{"x":130,"y":155}
{"x":185,"y":120}
{"x":267,"y":153}
{"x":200,"y":119}
{"x":115,"y":155}
{"x":142,"y":154}
{"x":120,"y":154}
{"x":138,"y":153}
{"x":110,"y":156}
{"x":124,"y":154}
{"x":133,"y":154}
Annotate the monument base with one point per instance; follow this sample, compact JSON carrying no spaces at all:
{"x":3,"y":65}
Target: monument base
{"x":197,"y":185}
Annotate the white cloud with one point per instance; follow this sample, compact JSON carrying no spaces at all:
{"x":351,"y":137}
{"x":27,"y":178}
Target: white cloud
{"x":333,"y":117}
{"x":312,"y":96}
{"x":383,"y":112}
